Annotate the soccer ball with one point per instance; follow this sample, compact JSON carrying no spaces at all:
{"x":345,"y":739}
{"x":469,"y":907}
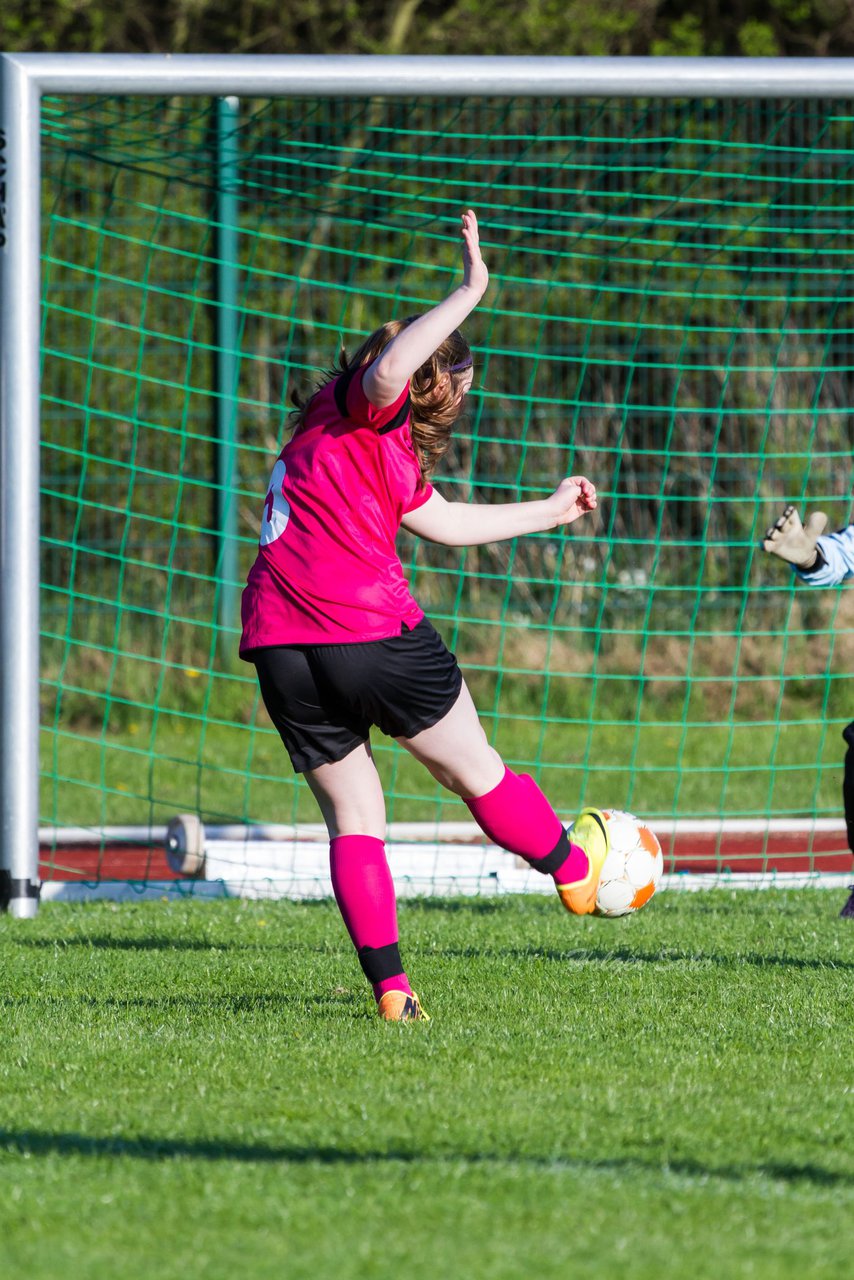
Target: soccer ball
{"x":633,"y":867}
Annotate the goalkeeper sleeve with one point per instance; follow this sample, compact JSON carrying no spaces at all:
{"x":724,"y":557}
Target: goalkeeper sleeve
{"x":835,"y":561}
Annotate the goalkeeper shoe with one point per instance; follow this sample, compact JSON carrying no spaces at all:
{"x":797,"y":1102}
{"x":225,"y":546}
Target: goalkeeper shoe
{"x":793,"y":541}
{"x":399,"y":1006}
{"x":590,"y":831}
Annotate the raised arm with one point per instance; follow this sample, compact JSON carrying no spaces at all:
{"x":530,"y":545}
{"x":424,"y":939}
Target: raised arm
{"x":388,"y":375}
{"x":467,"y":524}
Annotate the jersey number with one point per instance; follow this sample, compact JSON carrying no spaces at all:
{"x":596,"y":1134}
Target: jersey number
{"x":277,"y":509}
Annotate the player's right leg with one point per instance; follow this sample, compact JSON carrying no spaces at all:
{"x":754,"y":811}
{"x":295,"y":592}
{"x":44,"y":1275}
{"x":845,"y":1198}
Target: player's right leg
{"x":510,"y":808}
{"x":351,"y":800}
{"x":330,"y":746}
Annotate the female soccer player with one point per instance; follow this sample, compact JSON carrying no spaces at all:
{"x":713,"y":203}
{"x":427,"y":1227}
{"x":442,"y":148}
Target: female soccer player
{"x":339,"y":643}
{"x":822,"y":560}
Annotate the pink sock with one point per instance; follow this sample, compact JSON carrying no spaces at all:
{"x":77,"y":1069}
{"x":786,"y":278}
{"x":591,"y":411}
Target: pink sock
{"x":517,"y":816}
{"x":364,"y":891}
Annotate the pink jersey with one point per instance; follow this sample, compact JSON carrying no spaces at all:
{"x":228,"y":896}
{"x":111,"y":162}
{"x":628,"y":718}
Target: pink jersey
{"x":327,"y":571}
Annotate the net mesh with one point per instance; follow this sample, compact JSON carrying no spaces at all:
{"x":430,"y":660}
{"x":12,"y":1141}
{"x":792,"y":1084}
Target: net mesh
{"x":671,"y":313}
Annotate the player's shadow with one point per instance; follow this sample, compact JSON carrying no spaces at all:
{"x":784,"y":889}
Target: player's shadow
{"x":154,"y":943}
{"x":628,"y":956}
{"x":595,"y":955}
{"x":33,"y":1142}
{"x":202,"y":1005}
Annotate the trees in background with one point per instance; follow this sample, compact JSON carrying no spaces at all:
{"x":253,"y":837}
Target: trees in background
{"x":760,"y":28}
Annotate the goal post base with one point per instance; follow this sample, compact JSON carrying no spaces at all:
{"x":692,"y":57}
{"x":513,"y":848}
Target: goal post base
{"x":20,"y":898}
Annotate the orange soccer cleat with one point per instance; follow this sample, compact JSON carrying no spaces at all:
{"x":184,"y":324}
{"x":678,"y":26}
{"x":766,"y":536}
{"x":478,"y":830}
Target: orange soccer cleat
{"x":399,"y":1006}
{"x":590,"y":831}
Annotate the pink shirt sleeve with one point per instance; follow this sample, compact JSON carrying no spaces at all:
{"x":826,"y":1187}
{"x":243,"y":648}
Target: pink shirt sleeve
{"x":390,"y":418}
{"x":419,"y":497}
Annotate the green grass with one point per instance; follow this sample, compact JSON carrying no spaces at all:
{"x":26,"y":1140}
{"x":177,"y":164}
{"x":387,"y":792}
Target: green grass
{"x":198,"y":1089}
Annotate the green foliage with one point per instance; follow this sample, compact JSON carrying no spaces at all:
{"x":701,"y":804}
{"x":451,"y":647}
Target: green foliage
{"x":536,"y":27}
{"x":757,"y":40}
{"x":556,"y":27}
{"x":684,"y":38}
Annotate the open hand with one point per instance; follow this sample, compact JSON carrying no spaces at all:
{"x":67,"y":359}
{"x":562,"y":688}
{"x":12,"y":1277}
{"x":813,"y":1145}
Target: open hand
{"x":475,"y":274}
{"x":573,"y":497}
{"x":793,"y":541}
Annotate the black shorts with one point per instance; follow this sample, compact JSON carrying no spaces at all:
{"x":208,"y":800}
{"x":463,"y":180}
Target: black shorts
{"x":324,"y":698}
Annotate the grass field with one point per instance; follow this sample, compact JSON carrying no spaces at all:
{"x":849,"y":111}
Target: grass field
{"x":199,"y":1089}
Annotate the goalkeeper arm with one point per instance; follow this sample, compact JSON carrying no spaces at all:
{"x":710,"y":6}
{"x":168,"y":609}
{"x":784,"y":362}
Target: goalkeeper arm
{"x":822,"y":560}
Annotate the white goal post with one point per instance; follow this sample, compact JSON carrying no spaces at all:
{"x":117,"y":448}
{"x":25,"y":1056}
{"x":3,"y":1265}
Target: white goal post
{"x":24,"y":79}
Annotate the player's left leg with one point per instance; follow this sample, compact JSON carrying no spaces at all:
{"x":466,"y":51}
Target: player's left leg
{"x":510,"y":808}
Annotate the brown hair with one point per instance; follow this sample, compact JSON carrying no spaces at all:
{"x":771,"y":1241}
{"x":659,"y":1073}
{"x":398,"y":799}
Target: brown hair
{"x":434,"y":389}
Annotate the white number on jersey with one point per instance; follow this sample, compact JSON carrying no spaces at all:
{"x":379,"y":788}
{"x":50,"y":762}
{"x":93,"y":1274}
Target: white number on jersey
{"x":277,"y":509}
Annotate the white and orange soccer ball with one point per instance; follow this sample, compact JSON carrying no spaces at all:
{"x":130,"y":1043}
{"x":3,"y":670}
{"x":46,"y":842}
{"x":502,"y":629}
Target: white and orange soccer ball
{"x":633,"y":867}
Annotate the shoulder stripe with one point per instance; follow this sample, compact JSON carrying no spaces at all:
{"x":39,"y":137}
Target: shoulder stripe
{"x":399,"y":418}
{"x":342,"y":385}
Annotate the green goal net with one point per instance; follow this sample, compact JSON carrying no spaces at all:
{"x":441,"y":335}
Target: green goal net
{"x":671,"y":312}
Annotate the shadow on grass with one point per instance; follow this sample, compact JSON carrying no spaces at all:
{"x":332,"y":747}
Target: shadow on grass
{"x":594,"y":955}
{"x":31,"y":1142}
{"x":624,"y":955}
{"x":106,"y":942}
{"x":202,"y":1005}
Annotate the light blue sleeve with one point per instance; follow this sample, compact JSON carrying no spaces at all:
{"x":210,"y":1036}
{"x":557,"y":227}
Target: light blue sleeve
{"x":838,"y":551}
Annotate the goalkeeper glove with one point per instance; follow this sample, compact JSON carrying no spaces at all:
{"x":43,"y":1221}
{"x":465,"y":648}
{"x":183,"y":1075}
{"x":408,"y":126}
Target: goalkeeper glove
{"x":793,"y":541}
